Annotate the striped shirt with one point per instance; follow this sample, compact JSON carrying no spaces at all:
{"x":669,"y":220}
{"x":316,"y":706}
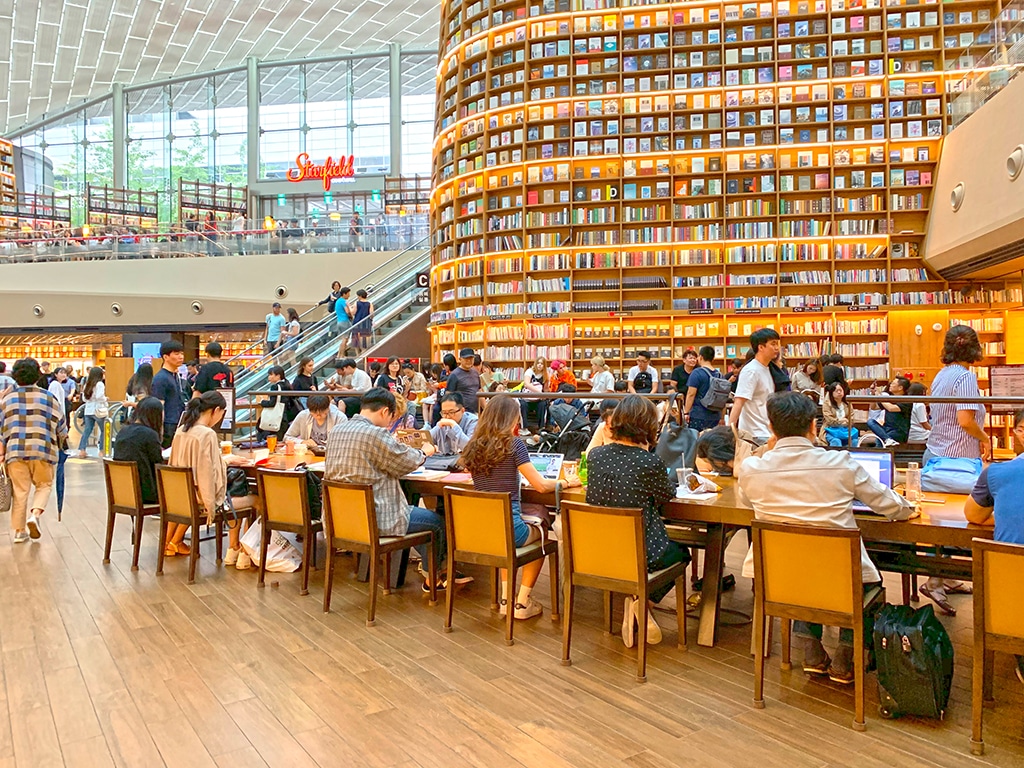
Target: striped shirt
{"x":32,"y":425}
{"x":504,"y":478}
{"x":947,"y":437}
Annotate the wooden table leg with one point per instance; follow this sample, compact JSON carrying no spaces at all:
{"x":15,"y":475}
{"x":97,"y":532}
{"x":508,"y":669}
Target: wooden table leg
{"x":711,"y":592}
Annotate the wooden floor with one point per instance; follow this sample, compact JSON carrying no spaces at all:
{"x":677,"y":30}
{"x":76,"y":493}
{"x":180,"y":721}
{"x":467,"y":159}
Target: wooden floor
{"x":103,"y":666}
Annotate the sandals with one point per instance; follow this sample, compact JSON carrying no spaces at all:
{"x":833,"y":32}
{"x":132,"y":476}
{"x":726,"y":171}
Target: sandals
{"x":939,"y":598}
{"x":173,"y":549}
{"x":958,"y":588}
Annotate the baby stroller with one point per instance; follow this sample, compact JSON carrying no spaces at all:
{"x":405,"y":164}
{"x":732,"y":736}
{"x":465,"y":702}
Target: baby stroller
{"x":571,"y":434}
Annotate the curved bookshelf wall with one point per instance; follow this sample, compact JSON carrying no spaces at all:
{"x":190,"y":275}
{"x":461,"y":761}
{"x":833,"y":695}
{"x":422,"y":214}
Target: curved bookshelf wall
{"x":646,"y":163}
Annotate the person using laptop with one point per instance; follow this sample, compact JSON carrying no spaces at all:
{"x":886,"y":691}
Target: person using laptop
{"x":456,"y":427}
{"x":495,"y":456}
{"x":798,"y":482}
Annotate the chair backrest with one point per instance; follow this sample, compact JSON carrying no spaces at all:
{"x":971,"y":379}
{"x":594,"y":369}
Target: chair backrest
{"x":349,"y":512}
{"x":998,"y":571}
{"x":479,"y":522}
{"x":284,"y":496}
{"x":123,"y":486}
{"x":808,"y":566}
{"x":604,"y":542}
{"x":177,"y":490}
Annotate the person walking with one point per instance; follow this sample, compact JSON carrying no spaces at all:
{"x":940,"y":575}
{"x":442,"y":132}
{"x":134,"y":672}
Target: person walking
{"x":275,"y":325}
{"x":31,"y":431}
{"x":362,"y":321}
{"x":96,"y":411}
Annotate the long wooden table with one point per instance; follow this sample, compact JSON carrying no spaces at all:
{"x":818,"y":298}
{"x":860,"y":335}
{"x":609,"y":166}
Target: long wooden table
{"x":941,"y":524}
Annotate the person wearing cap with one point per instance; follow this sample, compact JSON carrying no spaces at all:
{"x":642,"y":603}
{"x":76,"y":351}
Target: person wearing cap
{"x":465,"y":380}
{"x":560,"y":374}
{"x":275,"y":324}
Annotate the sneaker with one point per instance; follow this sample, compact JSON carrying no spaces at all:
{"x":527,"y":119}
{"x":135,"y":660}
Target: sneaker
{"x":244,"y":561}
{"x":628,"y":622}
{"x":33,"y":527}
{"x":528,"y":611}
{"x":462,"y":579}
{"x":845,"y":677}
{"x":504,"y":608}
{"x":20,"y":537}
{"x":818,"y":669}
{"x":231,"y":557}
{"x":889,"y":443}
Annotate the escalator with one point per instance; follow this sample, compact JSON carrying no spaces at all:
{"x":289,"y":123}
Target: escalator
{"x":398,"y":303}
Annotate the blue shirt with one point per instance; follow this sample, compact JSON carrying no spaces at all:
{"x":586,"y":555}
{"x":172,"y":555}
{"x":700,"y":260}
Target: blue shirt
{"x":449,"y":440}
{"x":1000,"y":486}
{"x":274,"y":325}
{"x":168,"y":387}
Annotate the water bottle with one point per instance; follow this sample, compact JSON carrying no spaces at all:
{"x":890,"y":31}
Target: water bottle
{"x":581,"y":472}
{"x":913,"y":482}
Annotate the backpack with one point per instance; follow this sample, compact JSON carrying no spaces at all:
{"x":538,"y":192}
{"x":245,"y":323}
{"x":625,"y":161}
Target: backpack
{"x":719,"y":390}
{"x":314,"y":490}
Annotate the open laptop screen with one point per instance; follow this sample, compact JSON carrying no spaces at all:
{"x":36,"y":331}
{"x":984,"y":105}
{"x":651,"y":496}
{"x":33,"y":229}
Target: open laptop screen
{"x":878,"y":464}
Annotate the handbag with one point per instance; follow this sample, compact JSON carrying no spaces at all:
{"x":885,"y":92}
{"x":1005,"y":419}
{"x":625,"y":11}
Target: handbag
{"x":314,"y":490}
{"x":102,"y":410}
{"x":6,"y":490}
{"x":441,"y":462}
{"x":677,"y":443}
{"x":780,"y":377}
{"x":238,"y":482}
{"x":942,"y":474}
{"x":270,"y":419}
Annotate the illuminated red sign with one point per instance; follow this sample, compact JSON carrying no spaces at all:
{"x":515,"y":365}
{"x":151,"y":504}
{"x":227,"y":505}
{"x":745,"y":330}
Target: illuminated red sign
{"x":342,"y":168}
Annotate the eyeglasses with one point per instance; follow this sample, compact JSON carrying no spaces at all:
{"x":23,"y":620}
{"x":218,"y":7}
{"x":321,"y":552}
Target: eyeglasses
{"x":450,"y":414}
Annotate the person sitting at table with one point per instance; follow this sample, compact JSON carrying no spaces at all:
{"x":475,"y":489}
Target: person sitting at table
{"x":896,"y":427}
{"x":721,"y":449}
{"x":495,"y":456}
{"x":140,"y":442}
{"x":798,"y":482}
{"x":624,"y":473}
{"x":995,"y":501}
{"x":601,"y":434}
{"x":456,"y":427}
{"x":197,"y":445}
{"x":363,"y":451}
{"x":312,"y":425}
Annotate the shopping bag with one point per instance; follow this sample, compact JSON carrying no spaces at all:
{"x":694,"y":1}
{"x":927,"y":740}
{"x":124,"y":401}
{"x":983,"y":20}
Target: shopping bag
{"x":282,"y":557}
{"x":6,"y":490}
{"x":942,"y":474}
{"x":270,"y":419}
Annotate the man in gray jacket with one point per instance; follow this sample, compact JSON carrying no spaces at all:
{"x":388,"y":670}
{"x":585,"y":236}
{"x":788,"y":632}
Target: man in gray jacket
{"x":312,"y":425}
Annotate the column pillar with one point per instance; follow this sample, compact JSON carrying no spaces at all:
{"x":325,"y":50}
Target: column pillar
{"x":395,"y":98}
{"x":252,"y":127}
{"x":119,"y":120}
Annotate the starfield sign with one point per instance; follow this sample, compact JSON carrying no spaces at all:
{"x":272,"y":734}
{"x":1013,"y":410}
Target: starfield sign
{"x":342,"y":168}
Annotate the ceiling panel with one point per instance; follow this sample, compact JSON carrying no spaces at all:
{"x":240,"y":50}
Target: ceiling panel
{"x":91,"y":44}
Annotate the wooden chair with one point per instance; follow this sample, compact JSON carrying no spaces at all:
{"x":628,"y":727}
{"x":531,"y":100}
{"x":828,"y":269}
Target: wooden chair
{"x":998,"y":619}
{"x":285,"y":503}
{"x":479,"y":530}
{"x":809,"y":573}
{"x":179,"y":503}
{"x":604,"y":549}
{"x":350,"y":522}
{"x":124,"y":497}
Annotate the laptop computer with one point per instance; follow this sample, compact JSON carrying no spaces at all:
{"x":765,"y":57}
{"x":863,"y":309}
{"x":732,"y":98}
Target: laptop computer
{"x":879,"y":463}
{"x":549,"y":465}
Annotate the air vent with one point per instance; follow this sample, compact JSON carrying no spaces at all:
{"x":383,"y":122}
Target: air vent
{"x":1015,"y":162}
{"x":956,"y":197}
{"x":985,"y":261}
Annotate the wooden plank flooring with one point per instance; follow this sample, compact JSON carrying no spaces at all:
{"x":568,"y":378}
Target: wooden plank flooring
{"x":104,"y":667}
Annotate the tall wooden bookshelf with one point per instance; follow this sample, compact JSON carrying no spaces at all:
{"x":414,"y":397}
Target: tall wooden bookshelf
{"x":653,"y":164}
{"x":111,"y":206}
{"x":198,"y":198}
{"x":8,"y":185}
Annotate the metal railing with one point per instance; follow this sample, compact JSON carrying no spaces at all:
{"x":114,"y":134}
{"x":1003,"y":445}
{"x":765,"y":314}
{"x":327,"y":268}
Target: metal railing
{"x":178,"y":242}
{"x":989,"y":65}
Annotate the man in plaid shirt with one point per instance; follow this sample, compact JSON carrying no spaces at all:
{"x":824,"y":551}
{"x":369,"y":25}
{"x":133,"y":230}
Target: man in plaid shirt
{"x":362,"y":450}
{"x":32,"y":430}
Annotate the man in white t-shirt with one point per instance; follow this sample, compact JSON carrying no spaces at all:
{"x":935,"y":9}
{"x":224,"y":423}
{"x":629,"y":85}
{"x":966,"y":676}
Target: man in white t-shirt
{"x":642,"y":377}
{"x":755,"y":386}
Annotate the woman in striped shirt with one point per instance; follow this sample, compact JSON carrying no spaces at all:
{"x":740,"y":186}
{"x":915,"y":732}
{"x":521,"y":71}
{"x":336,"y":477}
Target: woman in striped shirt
{"x":958,"y":429}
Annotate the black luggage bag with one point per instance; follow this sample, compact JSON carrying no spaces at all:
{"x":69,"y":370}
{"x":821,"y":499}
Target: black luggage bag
{"x":914,"y":657}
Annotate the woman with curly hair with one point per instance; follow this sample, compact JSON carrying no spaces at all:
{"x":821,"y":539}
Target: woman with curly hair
{"x":495,"y":456}
{"x":624,"y":474}
{"x":958,"y":430}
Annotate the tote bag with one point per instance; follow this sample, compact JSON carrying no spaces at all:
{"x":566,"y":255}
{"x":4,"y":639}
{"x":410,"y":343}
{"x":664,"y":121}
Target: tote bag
{"x":6,"y":490}
{"x":270,"y":419}
{"x":677,"y":443}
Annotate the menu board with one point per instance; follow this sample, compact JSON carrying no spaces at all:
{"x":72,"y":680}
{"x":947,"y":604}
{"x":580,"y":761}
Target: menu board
{"x":1006,"y":381}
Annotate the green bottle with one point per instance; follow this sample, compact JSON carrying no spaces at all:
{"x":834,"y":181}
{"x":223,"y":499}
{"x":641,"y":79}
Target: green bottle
{"x":582,"y":471}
